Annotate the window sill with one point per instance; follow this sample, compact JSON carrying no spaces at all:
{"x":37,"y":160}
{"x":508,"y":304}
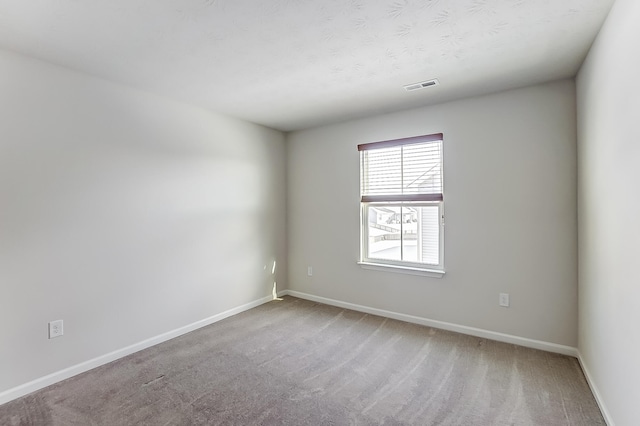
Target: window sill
{"x":435,"y":273}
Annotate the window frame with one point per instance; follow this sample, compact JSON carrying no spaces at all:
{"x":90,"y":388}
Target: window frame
{"x":400,"y":266}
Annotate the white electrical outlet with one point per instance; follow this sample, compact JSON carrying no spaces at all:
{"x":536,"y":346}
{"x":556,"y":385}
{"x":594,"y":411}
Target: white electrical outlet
{"x":504,"y":300}
{"x":55,"y":329}
{"x":309,"y":270}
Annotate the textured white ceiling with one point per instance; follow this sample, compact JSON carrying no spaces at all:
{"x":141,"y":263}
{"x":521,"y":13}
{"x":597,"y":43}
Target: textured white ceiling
{"x":292,"y":64}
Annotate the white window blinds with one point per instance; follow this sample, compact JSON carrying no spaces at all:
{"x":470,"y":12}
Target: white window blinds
{"x":402,"y":170}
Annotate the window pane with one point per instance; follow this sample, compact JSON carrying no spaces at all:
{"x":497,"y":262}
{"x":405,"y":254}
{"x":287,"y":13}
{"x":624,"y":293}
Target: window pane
{"x":421,"y":169}
{"x":410,"y":234}
{"x":414,"y":169}
{"x":384,"y":232}
{"x":429,"y":230}
{"x":382,"y":171}
{"x":405,"y":233}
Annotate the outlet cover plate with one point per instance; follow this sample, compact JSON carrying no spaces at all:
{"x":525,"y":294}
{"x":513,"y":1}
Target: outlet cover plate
{"x":56,"y":329}
{"x":504,"y":300}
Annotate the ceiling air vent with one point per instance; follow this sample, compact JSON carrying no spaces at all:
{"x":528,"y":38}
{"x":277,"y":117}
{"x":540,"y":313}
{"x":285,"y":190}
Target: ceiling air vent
{"x":421,"y":85}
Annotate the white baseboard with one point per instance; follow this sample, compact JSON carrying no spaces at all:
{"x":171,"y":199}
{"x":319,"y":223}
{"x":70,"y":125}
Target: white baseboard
{"x":58,"y":376}
{"x":595,"y":392}
{"x":472,"y":331}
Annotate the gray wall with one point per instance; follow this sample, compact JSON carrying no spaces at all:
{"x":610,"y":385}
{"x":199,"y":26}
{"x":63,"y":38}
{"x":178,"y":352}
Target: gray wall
{"x":510,"y":201}
{"x":125,"y":214}
{"x":609,"y":213}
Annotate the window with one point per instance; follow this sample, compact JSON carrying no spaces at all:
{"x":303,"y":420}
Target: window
{"x":402,"y":212}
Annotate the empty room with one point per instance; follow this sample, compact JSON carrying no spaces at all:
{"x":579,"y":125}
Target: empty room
{"x":319,"y":212}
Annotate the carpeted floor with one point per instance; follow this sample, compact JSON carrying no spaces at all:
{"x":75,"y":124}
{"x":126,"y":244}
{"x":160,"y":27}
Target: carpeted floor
{"x":295,"y":362}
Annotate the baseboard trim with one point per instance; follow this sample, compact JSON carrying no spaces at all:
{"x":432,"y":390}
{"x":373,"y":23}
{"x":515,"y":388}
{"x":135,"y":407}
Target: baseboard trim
{"x":463,"y":329}
{"x":594,"y":390}
{"x":58,"y":376}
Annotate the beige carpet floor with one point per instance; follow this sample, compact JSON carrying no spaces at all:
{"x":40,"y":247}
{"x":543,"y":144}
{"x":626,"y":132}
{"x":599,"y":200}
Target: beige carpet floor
{"x":295,"y":362}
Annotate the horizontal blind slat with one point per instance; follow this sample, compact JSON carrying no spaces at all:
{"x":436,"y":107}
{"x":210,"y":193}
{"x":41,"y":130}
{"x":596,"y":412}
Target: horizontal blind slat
{"x":378,"y":198}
